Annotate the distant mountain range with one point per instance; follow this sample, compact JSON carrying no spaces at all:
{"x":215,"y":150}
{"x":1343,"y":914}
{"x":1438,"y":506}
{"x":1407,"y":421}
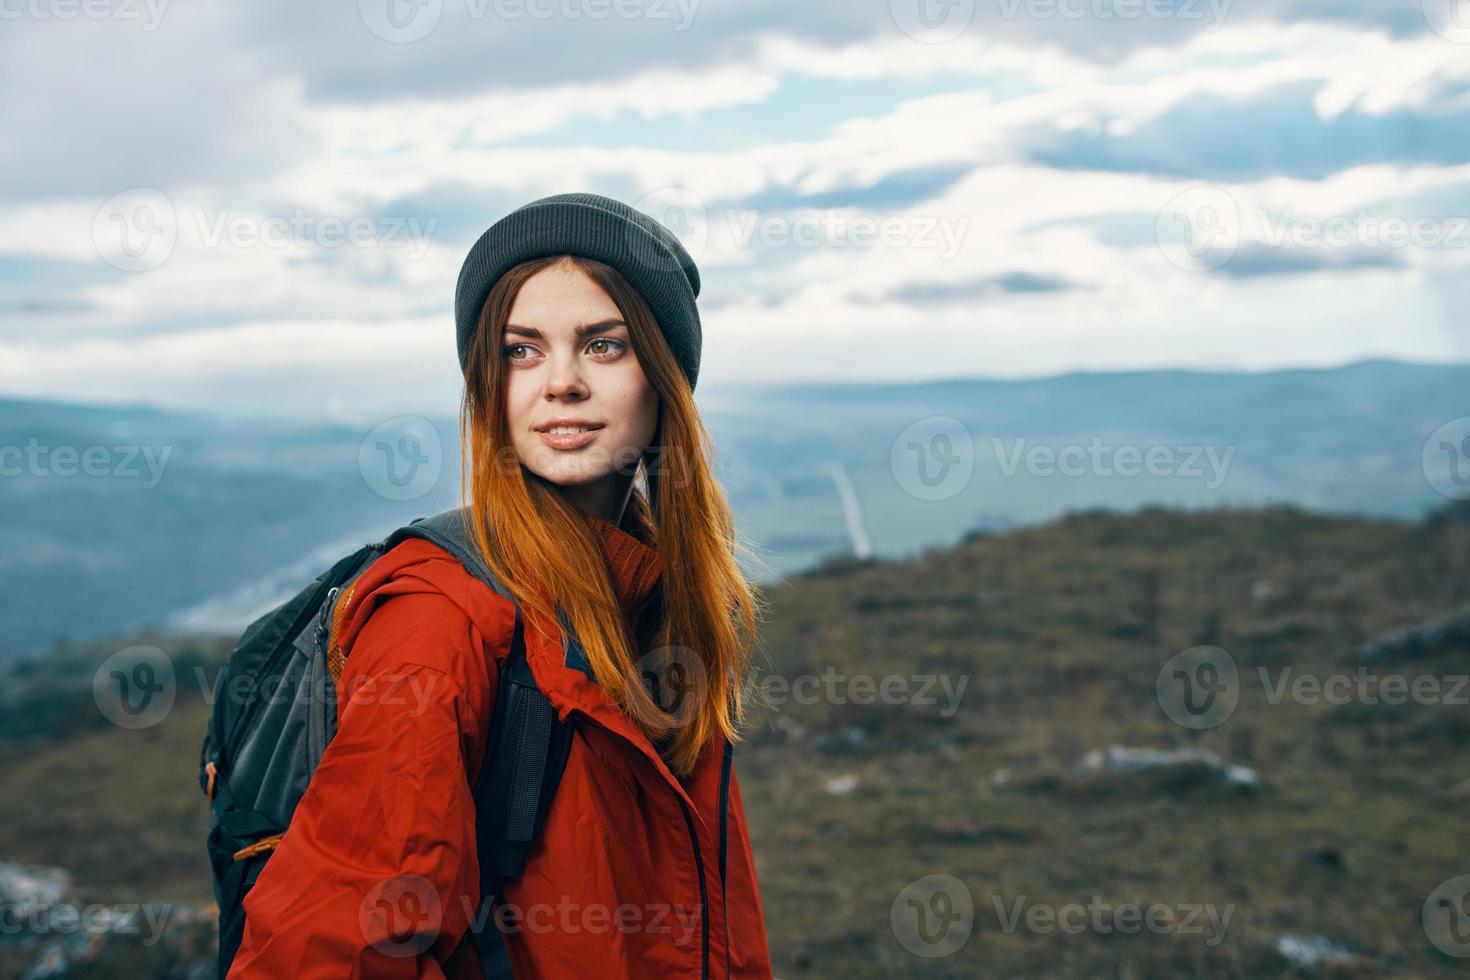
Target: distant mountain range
{"x":116,"y":518}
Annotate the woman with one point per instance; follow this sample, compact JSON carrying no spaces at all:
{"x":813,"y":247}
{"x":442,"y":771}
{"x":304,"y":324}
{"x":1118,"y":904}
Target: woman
{"x":579,"y":340}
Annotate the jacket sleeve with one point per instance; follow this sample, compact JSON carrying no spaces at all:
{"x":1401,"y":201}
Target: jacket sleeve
{"x":376,"y":876}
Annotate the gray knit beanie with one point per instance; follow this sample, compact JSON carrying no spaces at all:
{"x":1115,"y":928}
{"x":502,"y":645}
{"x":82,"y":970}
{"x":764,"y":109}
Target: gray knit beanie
{"x":596,"y":227}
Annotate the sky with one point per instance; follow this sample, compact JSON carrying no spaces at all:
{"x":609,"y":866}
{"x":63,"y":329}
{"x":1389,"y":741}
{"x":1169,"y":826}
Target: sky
{"x":261,"y":208}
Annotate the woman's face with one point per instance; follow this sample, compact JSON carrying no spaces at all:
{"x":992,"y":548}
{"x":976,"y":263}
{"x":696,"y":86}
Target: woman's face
{"x":568,"y":356}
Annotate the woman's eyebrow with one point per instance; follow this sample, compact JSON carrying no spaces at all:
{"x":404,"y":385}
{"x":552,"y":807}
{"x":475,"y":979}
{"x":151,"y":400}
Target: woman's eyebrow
{"x":582,"y":330}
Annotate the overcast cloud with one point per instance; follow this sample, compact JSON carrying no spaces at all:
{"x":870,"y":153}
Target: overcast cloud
{"x":263,"y":207}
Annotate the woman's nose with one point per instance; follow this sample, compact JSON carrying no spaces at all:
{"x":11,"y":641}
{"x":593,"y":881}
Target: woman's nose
{"x":565,"y":381}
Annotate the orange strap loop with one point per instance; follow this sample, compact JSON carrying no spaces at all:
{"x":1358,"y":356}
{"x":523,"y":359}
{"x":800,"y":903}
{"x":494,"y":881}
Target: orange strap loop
{"x":336,"y":660}
{"x":259,"y":847}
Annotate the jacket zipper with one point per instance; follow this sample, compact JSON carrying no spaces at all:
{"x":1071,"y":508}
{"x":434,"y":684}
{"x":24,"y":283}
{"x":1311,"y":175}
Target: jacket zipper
{"x":698,"y":860}
{"x":703,"y":895}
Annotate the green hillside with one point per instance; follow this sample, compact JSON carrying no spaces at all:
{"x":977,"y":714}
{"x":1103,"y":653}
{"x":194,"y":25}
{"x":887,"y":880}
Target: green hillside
{"x":1042,"y":645}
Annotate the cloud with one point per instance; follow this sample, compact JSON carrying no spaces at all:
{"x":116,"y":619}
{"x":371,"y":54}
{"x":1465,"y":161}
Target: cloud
{"x":899,"y":189}
{"x":1264,"y":260}
{"x":470,"y":46}
{"x":1276,"y":131}
{"x":94,"y":106}
{"x":1011,"y":283}
{"x":1015,"y":176}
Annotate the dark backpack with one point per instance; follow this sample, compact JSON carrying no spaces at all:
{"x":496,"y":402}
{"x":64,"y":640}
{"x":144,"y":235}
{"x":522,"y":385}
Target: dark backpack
{"x":275,"y":711}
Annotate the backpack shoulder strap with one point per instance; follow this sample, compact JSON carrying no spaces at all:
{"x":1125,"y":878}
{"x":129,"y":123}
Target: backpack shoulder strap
{"x":525,"y":752}
{"x":450,"y":530}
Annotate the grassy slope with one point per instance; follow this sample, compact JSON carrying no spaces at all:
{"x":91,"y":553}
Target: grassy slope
{"x":1060,"y":632}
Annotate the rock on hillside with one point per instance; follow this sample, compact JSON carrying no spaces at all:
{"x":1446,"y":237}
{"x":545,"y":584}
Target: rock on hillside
{"x":50,"y":934}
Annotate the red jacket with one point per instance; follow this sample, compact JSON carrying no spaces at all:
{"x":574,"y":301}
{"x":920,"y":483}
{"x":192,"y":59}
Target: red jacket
{"x":628,"y":878}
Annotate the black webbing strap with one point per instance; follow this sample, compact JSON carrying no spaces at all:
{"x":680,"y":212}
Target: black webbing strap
{"x":528,"y":748}
{"x":532,"y":720}
{"x":530,"y":753}
{"x":525,"y":753}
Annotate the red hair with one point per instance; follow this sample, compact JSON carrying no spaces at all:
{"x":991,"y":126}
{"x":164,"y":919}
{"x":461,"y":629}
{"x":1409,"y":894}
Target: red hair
{"x":529,"y":535}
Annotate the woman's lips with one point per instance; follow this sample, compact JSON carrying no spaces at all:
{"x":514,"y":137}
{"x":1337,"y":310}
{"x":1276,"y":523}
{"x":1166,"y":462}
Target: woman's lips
{"x":569,"y":440}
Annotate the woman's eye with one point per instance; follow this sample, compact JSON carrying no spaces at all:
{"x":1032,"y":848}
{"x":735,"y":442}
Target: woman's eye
{"x":601,"y":346}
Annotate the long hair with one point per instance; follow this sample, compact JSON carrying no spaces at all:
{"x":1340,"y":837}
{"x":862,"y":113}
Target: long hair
{"x":542,"y":548}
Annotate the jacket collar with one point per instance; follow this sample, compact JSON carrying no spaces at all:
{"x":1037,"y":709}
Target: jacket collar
{"x":562,"y":670}
{"x":635,"y":568}
{"x":635,"y":564}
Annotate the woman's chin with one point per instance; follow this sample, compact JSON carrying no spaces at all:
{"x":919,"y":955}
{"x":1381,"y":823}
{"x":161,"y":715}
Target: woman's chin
{"x":570,"y":472}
